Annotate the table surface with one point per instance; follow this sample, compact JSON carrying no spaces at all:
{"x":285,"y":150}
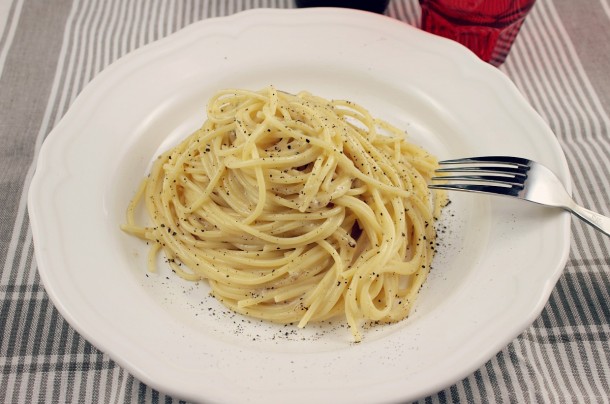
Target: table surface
{"x":560,"y":62}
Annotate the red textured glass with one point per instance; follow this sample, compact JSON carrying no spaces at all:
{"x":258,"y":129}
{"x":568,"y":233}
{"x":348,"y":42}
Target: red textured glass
{"x":487,"y":27}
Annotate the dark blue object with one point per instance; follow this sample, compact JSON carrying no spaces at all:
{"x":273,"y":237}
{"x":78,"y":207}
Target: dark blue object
{"x":376,"y":6}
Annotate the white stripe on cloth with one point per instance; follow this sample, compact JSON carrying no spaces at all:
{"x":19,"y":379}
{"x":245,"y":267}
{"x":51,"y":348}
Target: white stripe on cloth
{"x":7,"y":34}
{"x":605,"y":7}
{"x":5,"y":9}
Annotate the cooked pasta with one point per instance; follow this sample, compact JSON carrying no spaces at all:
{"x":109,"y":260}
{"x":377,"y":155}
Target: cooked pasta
{"x":295,"y":209}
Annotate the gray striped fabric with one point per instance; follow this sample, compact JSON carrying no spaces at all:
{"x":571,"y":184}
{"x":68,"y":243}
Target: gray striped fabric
{"x":50,"y":50}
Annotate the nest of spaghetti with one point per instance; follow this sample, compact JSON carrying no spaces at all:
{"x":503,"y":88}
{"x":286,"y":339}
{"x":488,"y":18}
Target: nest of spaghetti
{"x":295,"y":209}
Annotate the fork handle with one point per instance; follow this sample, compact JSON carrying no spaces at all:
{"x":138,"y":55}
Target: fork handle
{"x":600,"y":222}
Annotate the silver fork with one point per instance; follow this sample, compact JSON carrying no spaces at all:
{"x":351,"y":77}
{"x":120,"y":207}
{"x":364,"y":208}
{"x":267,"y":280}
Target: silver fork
{"x":513,"y":176}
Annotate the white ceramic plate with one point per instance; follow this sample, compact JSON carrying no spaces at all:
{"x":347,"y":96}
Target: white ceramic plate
{"x":499,"y":258}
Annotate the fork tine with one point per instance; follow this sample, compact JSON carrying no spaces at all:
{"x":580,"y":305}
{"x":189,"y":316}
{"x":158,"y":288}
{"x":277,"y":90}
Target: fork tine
{"x":505,"y":170}
{"x":518,"y":161}
{"x":486,"y":189}
{"x":501,"y":175}
{"x":502,"y":170}
{"x":494,"y":179}
{"x":486,"y":169}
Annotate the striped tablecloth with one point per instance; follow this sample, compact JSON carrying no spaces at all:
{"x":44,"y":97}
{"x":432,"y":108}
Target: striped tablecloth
{"x":49,"y":50}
